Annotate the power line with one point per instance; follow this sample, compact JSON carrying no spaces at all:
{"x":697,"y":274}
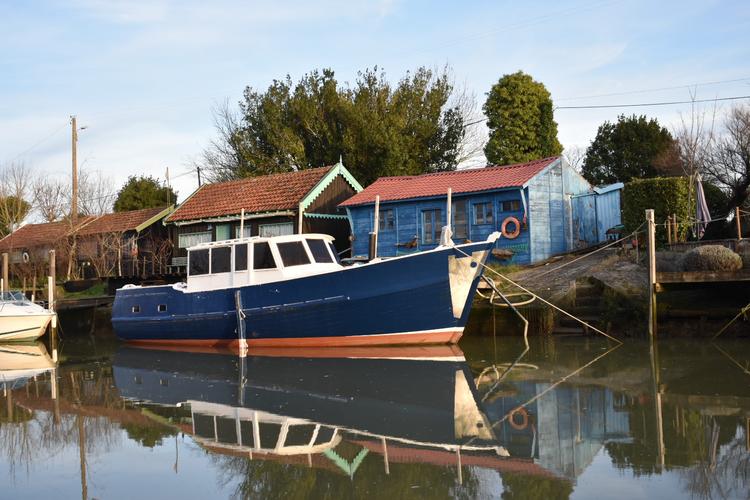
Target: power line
{"x":658,"y":89}
{"x":667,"y":103}
{"x":644,"y":104}
{"x":40,"y":142}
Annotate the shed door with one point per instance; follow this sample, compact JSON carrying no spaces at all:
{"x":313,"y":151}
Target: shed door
{"x":584,"y":221}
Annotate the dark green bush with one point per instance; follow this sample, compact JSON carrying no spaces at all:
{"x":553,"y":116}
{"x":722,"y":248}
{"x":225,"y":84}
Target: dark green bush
{"x":711,"y":258}
{"x":666,"y":195}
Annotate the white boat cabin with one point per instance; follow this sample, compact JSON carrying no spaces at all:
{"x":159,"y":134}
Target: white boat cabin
{"x":253,"y":261}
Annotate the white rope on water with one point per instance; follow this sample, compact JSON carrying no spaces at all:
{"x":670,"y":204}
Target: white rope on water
{"x":559,"y":309}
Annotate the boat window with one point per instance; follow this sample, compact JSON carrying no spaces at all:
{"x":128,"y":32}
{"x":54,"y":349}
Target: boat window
{"x":299,"y":435}
{"x":204,"y":425}
{"x":198,"y":262}
{"x":319,"y":250}
{"x":220,"y":259}
{"x":269,"y":434}
{"x":136,"y":309}
{"x":162,"y":308}
{"x":246,"y":432}
{"x":325,"y":434}
{"x":226,"y":430}
{"x":334,"y":252}
{"x":240,"y":257}
{"x":293,"y":253}
{"x":262,"y":256}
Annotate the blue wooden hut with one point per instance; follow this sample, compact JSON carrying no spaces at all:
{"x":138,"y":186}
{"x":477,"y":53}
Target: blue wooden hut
{"x":529,"y":202}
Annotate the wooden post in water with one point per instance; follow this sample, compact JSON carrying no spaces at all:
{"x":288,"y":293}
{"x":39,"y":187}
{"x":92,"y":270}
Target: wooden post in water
{"x":51,"y":303}
{"x":33,"y":287}
{"x":669,"y":230}
{"x":6,"y":285}
{"x":651,"y":230}
{"x":739,"y":224}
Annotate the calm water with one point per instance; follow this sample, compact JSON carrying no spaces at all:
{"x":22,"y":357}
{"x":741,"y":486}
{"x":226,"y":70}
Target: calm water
{"x":570,"y":418}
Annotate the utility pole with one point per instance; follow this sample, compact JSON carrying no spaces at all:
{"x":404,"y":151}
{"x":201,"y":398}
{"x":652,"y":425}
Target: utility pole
{"x":74,"y":157}
{"x":168,"y":198}
{"x":199,"y":175}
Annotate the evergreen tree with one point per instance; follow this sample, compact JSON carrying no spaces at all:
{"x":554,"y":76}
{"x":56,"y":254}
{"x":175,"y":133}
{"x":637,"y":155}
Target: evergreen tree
{"x":519,"y":116}
{"x":143,"y":192}
{"x":629,"y":149}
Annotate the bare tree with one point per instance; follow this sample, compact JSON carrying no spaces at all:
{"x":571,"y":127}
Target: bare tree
{"x":694,"y":137}
{"x":15,"y":183}
{"x":728,"y":160}
{"x":220,"y":160}
{"x":575,"y":155}
{"x":51,"y":198}
{"x":471,"y":150}
{"x":96,"y":193}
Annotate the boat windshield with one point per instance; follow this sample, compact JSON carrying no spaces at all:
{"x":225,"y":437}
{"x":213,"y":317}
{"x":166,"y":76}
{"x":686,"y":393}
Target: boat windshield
{"x":13,"y":296}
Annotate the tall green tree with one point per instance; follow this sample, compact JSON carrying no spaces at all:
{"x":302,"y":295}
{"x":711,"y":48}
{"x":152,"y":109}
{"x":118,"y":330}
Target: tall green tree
{"x":379,"y":128}
{"x":628,"y":149}
{"x":143,"y":192}
{"x":519,"y":116}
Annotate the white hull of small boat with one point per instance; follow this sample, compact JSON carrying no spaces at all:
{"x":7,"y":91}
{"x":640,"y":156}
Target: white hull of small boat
{"x":23,"y":361}
{"x":23,"y":326}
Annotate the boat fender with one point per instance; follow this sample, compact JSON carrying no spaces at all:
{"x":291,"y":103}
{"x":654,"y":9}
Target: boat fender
{"x":25,"y":257}
{"x":516,"y":231}
{"x":519,"y":426}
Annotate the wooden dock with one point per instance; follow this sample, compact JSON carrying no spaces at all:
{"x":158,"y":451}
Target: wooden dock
{"x":694,"y":279}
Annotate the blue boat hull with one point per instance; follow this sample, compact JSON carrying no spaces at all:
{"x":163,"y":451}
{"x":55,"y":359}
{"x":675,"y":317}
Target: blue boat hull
{"x":403,"y":300}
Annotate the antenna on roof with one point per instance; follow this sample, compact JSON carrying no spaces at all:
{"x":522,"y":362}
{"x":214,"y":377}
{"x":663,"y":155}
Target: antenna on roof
{"x":341,"y":161}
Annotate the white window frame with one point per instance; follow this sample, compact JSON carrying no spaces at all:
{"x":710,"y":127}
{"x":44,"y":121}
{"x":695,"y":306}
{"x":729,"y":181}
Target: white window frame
{"x":262,"y":228}
{"x":199,"y":236}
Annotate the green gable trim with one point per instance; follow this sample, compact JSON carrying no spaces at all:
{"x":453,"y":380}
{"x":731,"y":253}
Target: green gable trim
{"x":326,"y":216}
{"x":336,"y":170}
{"x":348,"y":468}
{"x":143,"y":225}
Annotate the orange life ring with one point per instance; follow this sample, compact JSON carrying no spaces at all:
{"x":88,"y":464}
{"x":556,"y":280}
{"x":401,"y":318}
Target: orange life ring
{"x":524,"y":419}
{"x":516,"y":231}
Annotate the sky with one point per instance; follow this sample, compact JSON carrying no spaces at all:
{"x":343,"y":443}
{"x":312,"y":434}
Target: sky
{"x":143,"y":76}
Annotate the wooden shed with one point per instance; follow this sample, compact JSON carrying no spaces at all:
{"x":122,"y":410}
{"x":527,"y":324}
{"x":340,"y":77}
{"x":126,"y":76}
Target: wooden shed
{"x":536,"y":194}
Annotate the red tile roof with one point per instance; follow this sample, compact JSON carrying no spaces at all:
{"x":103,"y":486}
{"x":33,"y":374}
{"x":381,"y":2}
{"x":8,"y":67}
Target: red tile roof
{"x":460,"y":181}
{"x":119,"y":222}
{"x":267,"y":193}
{"x":39,"y":235}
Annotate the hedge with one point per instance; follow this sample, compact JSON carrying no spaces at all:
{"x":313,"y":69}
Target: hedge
{"x":666,"y":195}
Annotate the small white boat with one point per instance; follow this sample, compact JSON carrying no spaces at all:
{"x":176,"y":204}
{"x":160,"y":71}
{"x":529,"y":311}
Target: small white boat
{"x":21,"y":319}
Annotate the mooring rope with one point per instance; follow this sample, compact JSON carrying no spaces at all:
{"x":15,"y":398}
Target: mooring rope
{"x":593,"y":252}
{"x":566,"y":313}
{"x":742,"y":312}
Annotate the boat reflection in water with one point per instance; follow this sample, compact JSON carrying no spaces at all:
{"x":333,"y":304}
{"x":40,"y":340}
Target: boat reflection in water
{"x":21,"y":362}
{"x":408,"y":404}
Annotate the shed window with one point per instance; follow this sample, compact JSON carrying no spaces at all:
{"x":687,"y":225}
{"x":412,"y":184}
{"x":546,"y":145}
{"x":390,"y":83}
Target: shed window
{"x":188,"y":240}
{"x":198,"y":262}
{"x":510,"y":205}
{"x":240,"y":257}
{"x":319,"y":250}
{"x":246,"y":230}
{"x":268,"y":230}
{"x":293,"y":253}
{"x":386,"y":221}
{"x":460,"y":220}
{"x":262,"y":256}
{"x":431,"y":220}
{"x":220,"y":259}
{"x":483,"y":213}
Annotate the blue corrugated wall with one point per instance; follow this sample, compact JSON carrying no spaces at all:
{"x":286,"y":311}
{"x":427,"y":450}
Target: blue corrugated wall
{"x":550,"y":198}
